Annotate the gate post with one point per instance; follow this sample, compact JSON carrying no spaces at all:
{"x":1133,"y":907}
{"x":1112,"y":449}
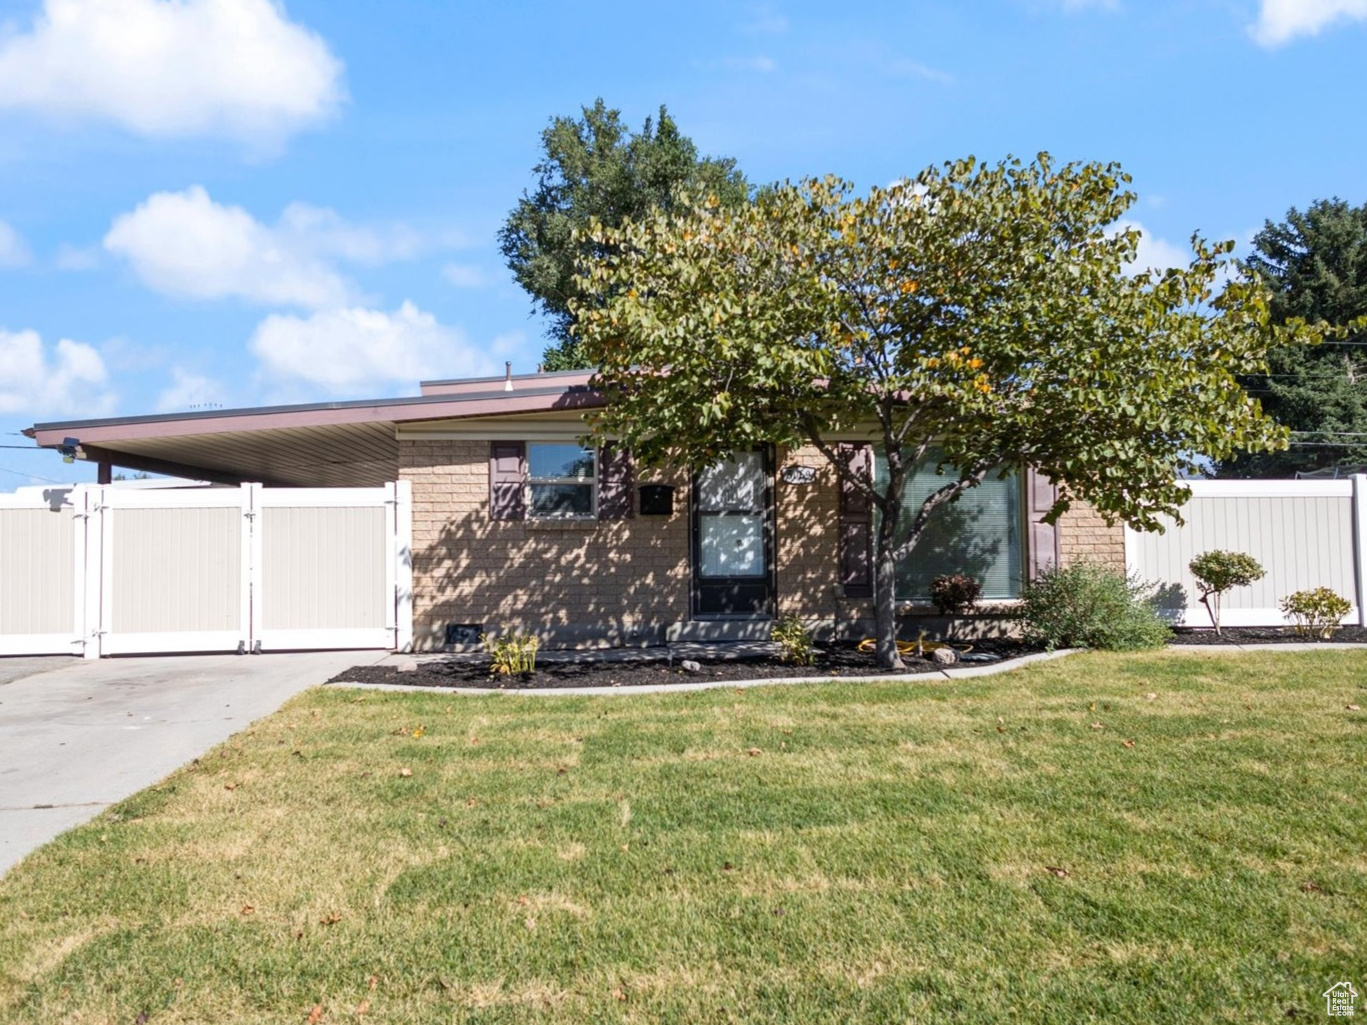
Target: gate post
{"x":252,"y":573}
{"x":1360,"y":543}
{"x":92,"y":554}
{"x":401,"y":558}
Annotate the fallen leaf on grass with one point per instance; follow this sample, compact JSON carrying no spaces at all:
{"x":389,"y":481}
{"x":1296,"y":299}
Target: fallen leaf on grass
{"x":141,"y":1019}
{"x":1127,"y":743}
{"x":230,"y":786}
{"x":372,"y":982}
{"x":617,"y":994}
{"x":1311,"y":887}
{"x":754,"y":751}
{"x":315,"y":1015}
{"x":1097,"y":726}
{"x":1150,"y":696}
{"x":331,"y":919}
{"x":405,"y":773}
{"x":1055,"y":870}
{"x":362,"y":1007}
{"x":1352,"y":708}
{"x":530,"y":923}
{"x":523,"y":900}
{"x":247,"y":909}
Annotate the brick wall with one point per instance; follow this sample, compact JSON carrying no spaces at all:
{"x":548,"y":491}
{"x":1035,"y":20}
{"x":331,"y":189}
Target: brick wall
{"x":523,"y":575}
{"x":807,"y":549}
{"x":614,"y":576}
{"x":1085,"y":537}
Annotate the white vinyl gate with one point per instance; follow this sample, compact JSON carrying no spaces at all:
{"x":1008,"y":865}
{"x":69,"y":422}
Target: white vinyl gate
{"x":136,"y":570}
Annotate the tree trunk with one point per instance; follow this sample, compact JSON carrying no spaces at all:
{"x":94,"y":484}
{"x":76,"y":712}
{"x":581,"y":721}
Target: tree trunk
{"x":885,"y":584}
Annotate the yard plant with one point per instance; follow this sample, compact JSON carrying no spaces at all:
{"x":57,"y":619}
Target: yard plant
{"x":1316,"y":612}
{"x":513,"y":653}
{"x":1157,"y":838}
{"x":1219,"y":571}
{"x":794,"y":641}
{"x":1087,"y":605}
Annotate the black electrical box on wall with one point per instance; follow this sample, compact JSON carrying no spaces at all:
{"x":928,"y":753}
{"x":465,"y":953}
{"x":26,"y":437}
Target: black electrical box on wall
{"x":657,"y":499}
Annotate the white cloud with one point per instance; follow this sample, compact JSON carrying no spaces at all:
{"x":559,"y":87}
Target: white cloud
{"x":767,"y":20}
{"x":69,"y":379}
{"x":77,"y":257}
{"x":915,"y":69}
{"x":239,"y":68}
{"x":1154,"y":253}
{"x":760,"y":63}
{"x":1282,"y":20}
{"x":187,"y":391}
{"x":344,"y":349}
{"x":185,"y":244}
{"x":465,"y":276}
{"x":13,"y":250}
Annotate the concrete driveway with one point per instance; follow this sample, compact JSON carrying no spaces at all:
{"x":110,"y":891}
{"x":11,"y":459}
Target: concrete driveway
{"x":76,"y":736}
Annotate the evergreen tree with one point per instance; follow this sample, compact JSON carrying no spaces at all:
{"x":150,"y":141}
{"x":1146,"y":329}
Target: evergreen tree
{"x":1315,"y":263}
{"x":595,"y":168}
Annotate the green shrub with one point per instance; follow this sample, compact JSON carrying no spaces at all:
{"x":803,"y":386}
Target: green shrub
{"x":1090,"y":606}
{"x":955,"y":594}
{"x":513,"y":653}
{"x":1219,"y":571}
{"x":1315,"y":612}
{"x":794,"y":642}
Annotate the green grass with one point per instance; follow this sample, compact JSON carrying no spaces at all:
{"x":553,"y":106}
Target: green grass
{"x":884,"y":855}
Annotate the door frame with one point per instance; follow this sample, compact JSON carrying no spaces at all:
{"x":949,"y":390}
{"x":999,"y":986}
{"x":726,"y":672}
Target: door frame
{"x":770,"y":535}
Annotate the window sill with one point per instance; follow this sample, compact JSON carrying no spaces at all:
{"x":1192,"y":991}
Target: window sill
{"x":561,"y":525}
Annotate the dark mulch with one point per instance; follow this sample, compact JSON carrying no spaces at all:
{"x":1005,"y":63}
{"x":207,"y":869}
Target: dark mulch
{"x":1264,"y":635}
{"x":837,"y":662}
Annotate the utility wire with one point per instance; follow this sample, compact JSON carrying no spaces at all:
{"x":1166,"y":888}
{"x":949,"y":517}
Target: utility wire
{"x":32,"y":476}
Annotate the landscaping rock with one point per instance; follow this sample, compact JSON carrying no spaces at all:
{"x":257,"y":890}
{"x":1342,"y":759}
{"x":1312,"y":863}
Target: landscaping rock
{"x":406,"y":665}
{"x":689,"y":666}
{"x":945,"y":656}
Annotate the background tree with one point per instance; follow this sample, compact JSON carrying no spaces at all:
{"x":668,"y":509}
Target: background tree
{"x":1315,"y":264}
{"x":595,"y":169}
{"x":983,"y":310}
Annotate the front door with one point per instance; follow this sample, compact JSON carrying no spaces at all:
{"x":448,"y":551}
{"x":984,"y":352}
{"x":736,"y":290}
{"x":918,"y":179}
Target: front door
{"x":733,"y":538}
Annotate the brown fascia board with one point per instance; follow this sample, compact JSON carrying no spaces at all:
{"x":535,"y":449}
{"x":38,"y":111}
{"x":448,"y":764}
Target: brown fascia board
{"x":469,"y":385}
{"x":264,"y":418}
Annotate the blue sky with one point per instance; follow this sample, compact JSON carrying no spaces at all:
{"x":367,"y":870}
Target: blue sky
{"x":236,"y":202}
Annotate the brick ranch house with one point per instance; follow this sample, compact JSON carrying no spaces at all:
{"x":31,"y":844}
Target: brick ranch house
{"x":516,"y":526}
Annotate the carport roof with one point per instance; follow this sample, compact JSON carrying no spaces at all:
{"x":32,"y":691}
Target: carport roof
{"x":325,"y":444}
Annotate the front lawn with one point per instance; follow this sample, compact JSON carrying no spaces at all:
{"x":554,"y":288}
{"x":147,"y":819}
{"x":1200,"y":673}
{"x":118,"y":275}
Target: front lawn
{"x":1153,"y":838}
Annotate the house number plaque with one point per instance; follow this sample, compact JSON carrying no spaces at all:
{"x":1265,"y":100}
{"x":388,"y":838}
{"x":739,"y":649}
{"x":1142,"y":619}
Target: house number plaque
{"x":799,"y":474}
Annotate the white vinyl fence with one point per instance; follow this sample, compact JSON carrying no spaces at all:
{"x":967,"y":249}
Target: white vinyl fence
{"x":116,"y":570}
{"x":1305,"y":533}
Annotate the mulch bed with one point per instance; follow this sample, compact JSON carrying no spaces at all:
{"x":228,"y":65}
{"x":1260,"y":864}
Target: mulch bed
{"x":837,"y":662}
{"x":1264,"y":635}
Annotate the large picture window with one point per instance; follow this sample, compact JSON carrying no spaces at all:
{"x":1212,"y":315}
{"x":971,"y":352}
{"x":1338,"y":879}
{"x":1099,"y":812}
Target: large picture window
{"x":560,"y":481}
{"x":979,"y":535}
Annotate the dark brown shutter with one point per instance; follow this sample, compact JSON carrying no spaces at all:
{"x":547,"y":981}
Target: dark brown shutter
{"x":507,"y":479}
{"x":856,"y":525}
{"x":1040,"y":495}
{"x":614,"y":483}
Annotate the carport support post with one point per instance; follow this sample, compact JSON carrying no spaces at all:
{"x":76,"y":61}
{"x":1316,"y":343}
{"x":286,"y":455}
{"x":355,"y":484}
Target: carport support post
{"x":1360,"y":543}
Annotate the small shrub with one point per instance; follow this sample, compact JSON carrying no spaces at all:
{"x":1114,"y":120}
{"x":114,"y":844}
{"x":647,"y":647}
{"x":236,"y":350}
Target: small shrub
{"x":795,"y":643}
{"x":954,"y":594}
{"x":1090,"y":606}
{"x":513,"y":653}
{"x":1315,"y":612}
{"x":1219,"y":571}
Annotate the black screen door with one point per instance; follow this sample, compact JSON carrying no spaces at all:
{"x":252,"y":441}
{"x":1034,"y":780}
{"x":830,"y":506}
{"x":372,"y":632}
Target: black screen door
{"x":733,"y":538}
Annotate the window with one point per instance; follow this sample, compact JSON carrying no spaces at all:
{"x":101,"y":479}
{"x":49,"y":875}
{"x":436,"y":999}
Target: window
{"x":560,"y":481}
{"x":980,"y":534}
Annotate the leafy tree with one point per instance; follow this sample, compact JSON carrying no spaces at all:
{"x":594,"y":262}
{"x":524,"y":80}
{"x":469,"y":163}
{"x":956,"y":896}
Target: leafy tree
{"x":595,"y":169}
{"x":983,"y":310}
{"x":1219,"y":571}
{"x":1315,"y":263}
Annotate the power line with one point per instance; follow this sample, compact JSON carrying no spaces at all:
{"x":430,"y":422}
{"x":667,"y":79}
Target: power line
{"x":32,"y":476}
